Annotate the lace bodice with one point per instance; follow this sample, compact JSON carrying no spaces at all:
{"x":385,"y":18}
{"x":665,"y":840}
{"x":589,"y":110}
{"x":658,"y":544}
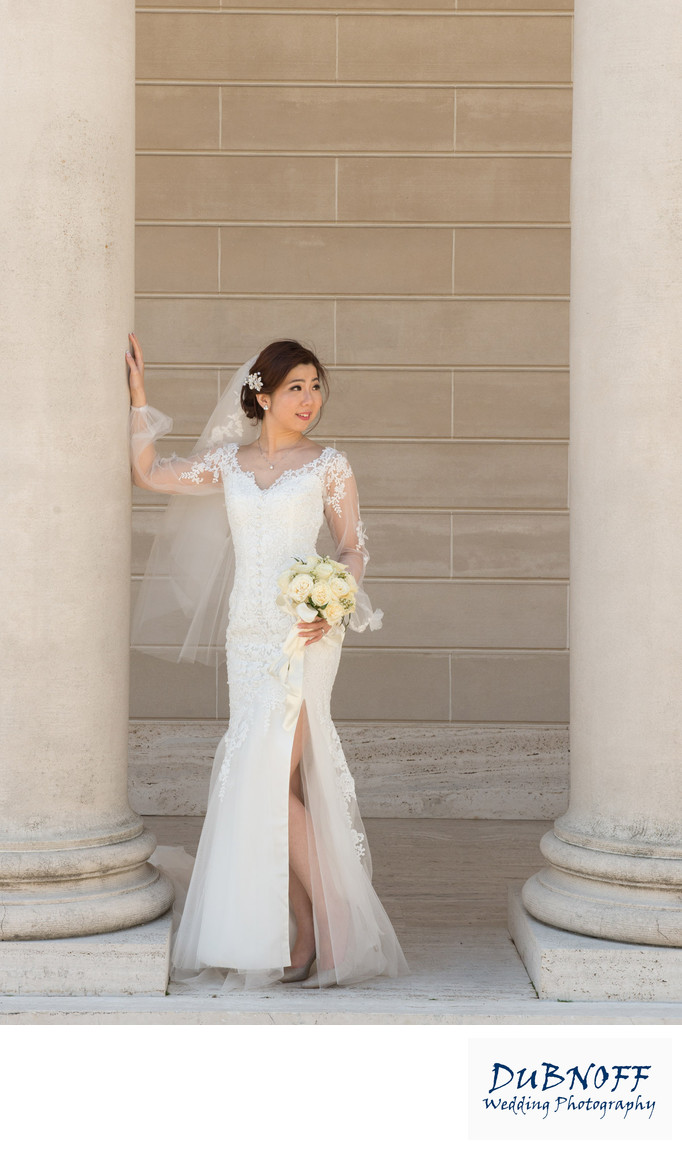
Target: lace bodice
{"x":272,"y":525}
{"x":269,"y":526}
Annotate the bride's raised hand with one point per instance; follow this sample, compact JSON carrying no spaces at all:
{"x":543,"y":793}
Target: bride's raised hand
{"x":136,"y":378}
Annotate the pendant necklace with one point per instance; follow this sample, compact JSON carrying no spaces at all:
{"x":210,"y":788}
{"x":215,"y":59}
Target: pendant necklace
{"x":271,"y":465}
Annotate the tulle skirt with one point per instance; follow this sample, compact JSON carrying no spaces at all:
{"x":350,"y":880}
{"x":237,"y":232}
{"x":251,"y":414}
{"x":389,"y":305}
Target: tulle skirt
{"x":233,"y":923}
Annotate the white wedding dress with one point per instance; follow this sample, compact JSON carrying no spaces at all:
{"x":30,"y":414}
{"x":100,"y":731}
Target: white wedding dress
{"x":236,"y":925}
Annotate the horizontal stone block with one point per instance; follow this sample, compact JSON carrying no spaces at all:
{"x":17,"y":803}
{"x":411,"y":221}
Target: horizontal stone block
{"x":235,"y":46}
{"x":486,"y":332}
{"x":400,"y":543}
{"x":337,"y":119}
{"x":446,"y":48}
{"x":514,"y":475}
{"x":412,"y":5}
{"x":510,"y":687}
{"x":436,"y":770}
{"x":188,"y":395}
{"x":176,"y":259}
{"x":362,"y":401}
{"x":450,"y":615}
{"x":235,"y":188}
{"x":379,"y":403}
{"x":186,"y":116}
{"x":382,"y":685}
{"x":334,"y":5}
{"x":425,"y":614}
{"x":347,"y":261}
{"x":186,"y":4}
{"x":513,"y":120}
{"x":442,"y":475}
{"x":170,"y":765}
{"x":512,"y":261}
{"x":490,"y":545}
{"x":532,"y":404}
{"x":230,"y":330}
{"x":465,"y":189}
{"x":500,"y":545}
{"x":166,"y":690}
{"x":571,"y":967}
{"x":115,"y":963}
{"x":526,"y":5}
{"x":408,"y":543}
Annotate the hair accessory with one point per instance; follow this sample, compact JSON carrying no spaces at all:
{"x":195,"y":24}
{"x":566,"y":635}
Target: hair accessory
{"x":254,"y":380}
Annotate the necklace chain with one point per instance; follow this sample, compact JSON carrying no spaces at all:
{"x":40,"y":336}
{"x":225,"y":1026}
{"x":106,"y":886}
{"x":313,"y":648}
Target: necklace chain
{"x":284,"y":453}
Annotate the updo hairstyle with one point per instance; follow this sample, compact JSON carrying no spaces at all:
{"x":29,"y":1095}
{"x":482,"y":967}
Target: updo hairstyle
{"x":274,"y":364}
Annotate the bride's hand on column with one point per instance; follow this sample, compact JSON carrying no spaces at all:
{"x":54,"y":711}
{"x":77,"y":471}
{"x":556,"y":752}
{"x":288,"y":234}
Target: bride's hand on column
{"x":313,"y":632}
{"x":136,"y":379}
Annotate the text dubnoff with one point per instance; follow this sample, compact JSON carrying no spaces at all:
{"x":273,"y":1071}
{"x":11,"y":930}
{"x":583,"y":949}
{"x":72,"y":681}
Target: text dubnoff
{"x":549,"y":1088}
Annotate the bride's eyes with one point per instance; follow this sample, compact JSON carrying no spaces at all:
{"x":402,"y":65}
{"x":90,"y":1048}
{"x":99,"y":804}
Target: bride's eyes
{"x":317,"y":385}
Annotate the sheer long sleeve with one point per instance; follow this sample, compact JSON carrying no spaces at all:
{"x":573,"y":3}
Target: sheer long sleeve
{"x":200,"y":475}
{"x":342,"y":512}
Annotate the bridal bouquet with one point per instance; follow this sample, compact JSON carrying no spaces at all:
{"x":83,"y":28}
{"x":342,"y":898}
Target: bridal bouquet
{"x":316,"y":586}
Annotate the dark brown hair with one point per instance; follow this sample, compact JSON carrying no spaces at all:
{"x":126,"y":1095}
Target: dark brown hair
{"x":274,"y":364}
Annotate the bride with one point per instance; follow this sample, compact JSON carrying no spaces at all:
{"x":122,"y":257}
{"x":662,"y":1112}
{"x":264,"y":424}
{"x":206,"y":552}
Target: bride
{"x":281,"y":889}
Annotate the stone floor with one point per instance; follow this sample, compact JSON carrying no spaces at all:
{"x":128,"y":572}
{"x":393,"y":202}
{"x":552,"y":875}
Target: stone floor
{"x":444,"y":885}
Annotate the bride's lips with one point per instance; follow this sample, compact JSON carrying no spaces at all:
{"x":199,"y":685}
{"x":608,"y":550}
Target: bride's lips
{"x":303,"y":414}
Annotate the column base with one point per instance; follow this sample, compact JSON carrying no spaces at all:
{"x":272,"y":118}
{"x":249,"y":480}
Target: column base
{"x":608,"y":893}
{"x":567,"y":967}
{"x":60,"y":893}
{"x":133,"y":961}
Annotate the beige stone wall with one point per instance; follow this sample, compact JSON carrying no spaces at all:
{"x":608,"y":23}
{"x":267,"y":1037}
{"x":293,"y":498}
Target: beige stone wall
{"x":388,"y":180}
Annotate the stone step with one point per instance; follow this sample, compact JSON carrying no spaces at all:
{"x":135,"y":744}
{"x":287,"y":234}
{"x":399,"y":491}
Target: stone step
{"x":213,"y":1012}
{"x":434,"y":770}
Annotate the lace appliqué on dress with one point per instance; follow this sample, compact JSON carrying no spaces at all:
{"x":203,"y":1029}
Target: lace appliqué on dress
{"x":344,"y":778}
{"x":212,"y":461}
{"x":337,"y":472}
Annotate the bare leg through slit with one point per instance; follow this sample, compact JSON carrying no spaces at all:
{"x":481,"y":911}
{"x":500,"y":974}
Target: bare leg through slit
{"x":303,"y":864}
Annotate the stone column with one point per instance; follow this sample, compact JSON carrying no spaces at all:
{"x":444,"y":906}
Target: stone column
{"x":72,"y":852}
{"x":615,"y":857}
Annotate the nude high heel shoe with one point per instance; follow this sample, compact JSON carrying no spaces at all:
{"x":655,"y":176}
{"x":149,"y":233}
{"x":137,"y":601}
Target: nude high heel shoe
{"x":297,"y":973}
{"x":322,"y":979}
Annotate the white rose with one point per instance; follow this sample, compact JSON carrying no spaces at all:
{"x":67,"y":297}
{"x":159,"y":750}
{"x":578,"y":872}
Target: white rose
{"x":302,"y":568}
{"x":300,"y":587}
{"x":320,"y":594}
{"x":333,"y":613}
{"x":323,"y":570}
{"x":339,"y":587}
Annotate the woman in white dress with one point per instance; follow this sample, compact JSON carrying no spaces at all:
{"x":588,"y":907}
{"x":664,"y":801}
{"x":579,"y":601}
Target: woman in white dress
{"x":282,"y":877}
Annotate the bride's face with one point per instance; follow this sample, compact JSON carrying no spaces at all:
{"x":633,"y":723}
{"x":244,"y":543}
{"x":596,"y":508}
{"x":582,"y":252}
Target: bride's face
{"x":298,"y":399}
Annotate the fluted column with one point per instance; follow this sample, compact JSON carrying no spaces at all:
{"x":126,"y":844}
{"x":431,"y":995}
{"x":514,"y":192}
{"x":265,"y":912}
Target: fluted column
{"x":615,"y":857}
{"x":72,"y":852}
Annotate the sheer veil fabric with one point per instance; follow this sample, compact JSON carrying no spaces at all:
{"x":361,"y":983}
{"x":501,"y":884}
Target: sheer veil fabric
{"x":211,"y":583}
{"x":187,"y":581}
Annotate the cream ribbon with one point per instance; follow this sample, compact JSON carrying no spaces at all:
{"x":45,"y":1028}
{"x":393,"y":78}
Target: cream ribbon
{"x":288,"y":668}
